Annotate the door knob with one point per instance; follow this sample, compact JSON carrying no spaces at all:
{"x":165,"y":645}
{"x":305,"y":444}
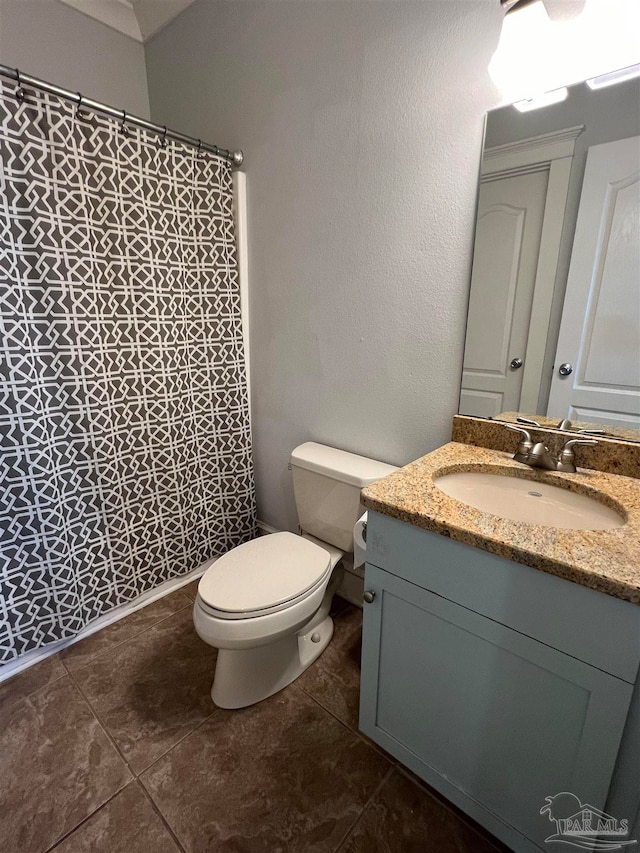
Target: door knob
{"x":516,"y":363}
{"x":368,"y":596}
{"x":565,"y":369}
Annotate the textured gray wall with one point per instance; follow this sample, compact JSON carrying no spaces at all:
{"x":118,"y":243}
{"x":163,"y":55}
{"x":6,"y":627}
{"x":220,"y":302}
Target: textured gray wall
{"x":362,"y":126}
{"x":55,"y":42}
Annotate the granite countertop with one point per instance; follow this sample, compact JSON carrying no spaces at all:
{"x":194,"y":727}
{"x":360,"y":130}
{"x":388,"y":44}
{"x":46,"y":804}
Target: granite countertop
{"x":604,"y":560}
{"x":552,"y":423}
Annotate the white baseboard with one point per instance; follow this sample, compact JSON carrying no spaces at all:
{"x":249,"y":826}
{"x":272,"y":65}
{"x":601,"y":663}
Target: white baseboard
{"x":37,"y":655}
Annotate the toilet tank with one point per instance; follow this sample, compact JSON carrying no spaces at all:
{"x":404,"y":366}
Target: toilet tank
{"x":327,"y":484}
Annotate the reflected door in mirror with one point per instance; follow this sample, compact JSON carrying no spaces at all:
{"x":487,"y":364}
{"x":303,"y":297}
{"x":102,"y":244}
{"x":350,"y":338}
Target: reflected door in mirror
{"x":600,"y":330}
{"x":600,"y":318}
{"x":509,"y":227}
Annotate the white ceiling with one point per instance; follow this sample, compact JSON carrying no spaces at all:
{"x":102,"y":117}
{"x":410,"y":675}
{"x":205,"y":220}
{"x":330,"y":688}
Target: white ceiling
{"x":138,"y":19}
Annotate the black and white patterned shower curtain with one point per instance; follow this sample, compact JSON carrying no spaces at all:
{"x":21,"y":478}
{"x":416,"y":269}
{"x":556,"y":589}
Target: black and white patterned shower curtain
{"x":124,"y":427}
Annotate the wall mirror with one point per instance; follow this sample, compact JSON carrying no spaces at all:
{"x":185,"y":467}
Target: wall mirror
{"x":553,"y":329}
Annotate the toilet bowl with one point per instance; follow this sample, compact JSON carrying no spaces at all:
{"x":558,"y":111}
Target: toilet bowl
{"x":265,"y":607}
{"x":265,"y":604}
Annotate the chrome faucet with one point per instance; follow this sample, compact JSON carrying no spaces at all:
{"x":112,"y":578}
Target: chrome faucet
{"x":564,"y":425}
{"x":539,"y":456}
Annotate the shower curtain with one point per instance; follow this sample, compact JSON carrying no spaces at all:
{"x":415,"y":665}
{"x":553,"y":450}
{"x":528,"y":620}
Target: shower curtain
{"x":125,"y":447}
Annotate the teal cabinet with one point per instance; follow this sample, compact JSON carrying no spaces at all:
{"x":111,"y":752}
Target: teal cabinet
{"x":494,"y":718}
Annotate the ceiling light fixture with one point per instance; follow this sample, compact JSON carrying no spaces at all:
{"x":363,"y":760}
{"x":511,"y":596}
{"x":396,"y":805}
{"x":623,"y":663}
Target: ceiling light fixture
{"x":544,"y":100}
{"x":520,"y":64}
{"x":536,"y":54}
{"x":614,"y":77}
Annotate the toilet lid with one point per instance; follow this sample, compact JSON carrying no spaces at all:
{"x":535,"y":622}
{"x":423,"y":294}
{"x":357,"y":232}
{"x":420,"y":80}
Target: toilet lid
{"x":265,"y":572}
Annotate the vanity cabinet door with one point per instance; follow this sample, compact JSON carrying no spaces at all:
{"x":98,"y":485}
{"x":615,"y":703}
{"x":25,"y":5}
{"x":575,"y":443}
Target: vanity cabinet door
{"x":494,"y":720}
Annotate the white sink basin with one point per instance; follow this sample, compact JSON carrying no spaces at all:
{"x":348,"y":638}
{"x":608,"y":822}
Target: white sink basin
{"x":529,"y":501}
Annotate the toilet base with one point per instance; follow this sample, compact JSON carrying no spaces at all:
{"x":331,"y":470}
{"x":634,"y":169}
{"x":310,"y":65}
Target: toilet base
{"x":246,"y":676}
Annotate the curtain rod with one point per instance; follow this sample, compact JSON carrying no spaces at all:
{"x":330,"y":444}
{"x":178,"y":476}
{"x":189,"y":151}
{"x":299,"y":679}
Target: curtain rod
{"x":234,"y":157}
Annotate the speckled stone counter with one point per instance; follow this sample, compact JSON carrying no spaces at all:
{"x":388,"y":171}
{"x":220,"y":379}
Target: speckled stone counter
{"x":610,"y":454}
{"x":604,"y":560}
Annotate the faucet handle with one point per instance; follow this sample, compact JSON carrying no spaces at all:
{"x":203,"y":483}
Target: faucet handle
{"x":525,"y":445}
{"x":519,"y":429}
{"x":567,"y":459}
{"x":564,"y":425}
{"x":574,"y":441}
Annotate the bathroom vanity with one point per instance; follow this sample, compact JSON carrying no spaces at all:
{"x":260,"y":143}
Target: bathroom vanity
{"x":500,"y":658}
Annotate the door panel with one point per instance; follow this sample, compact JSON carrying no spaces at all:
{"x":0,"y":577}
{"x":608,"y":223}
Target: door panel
{"x":508,"y":232}
{"x":600,"y":329}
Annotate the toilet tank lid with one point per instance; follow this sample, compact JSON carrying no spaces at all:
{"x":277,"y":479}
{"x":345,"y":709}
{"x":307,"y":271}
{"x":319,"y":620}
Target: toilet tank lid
{"x":339,"y":464}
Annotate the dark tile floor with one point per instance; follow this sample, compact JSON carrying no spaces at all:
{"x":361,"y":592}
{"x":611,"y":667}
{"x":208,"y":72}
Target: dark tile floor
{"x":114,"y":746}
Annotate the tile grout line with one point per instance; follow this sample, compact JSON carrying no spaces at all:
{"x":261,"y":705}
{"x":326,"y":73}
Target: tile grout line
{"x":159,"y":758}
{"x":442,"y":801}
{"x":367,"y":741}
{"x":59,"y":653}
{"x":136,"y":779}
{"x":87,"y":818}
{"x":328,"y":711}
{"x":392,"y":767}
{"x":177,"y":743}
{"x":135,"y":776}
{"x":157,"y":811}
{"x":215,"y":710}
{"x":102,"y":725}
{"x":28,"y":696}
{"x":134,"y":773}
{"x":93,"y":710}
{"x":345,"y":837}
{"x":118,"y":645}
{"x":397,"y":765}
{"x":74,"y":683}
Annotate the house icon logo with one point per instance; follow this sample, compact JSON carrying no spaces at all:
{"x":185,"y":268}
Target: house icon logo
{"x":584,"y":826}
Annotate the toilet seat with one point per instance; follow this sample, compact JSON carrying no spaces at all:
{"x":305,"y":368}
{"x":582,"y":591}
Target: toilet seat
{"x":265,"y":575}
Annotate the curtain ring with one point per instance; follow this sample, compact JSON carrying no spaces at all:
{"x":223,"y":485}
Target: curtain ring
{"x":19,"y":91}
{"x":123,"y":127}
{"x":162,"y":142}
{"x":199,"y":151}
{"x":79,"y":114}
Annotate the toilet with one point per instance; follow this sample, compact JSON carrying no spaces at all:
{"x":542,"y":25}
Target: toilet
{"x":265,"y":604}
